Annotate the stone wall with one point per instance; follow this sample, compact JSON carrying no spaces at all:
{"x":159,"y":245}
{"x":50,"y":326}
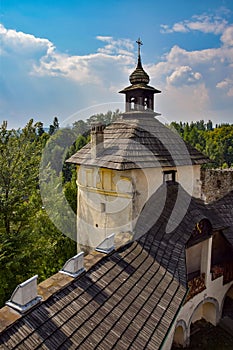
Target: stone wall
{"x":216,"y":183}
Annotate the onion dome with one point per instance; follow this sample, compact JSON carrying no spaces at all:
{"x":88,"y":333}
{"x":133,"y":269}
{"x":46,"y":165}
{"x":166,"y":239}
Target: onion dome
{"x":139,"y":76}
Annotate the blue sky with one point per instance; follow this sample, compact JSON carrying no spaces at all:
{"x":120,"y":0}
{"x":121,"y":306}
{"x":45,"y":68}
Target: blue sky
{"x":70,"y":58}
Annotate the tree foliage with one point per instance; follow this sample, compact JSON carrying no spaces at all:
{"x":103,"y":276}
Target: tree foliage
{"x":29,"y":242}
{"x":216,"y":143}
{"x":104,"y":118}
{"x":20,"y":155}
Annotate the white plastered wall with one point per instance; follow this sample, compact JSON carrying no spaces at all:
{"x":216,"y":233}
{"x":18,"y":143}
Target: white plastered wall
{"x":103,"y":211}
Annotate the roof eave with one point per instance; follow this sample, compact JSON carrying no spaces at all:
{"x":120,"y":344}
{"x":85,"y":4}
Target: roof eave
{"x":139,"y":87}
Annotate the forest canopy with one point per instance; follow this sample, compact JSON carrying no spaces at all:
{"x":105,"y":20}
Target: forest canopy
{"x":215,"y":142}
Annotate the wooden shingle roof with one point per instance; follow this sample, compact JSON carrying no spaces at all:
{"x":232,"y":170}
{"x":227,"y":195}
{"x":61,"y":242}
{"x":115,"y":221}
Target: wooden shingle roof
{"x":128,"y":299}
{"x":169,"y":233}
{"x":224,"y":207}
{"x":125,"y":301}
{"x":138,"y":140}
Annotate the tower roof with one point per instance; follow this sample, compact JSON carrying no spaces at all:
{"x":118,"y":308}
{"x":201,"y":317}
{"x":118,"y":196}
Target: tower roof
{"x":139,"y":79}
{"x":139,"y":140}
{"x":139,"y":75}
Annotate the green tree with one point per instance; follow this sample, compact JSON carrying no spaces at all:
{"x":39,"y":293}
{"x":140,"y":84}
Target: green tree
{"x":216,"y":143}
{"x":70,"y":191}
{"x":20,"y":152}
{"x":40,"y":129}
{"x":209,"y":125}
{"x":105,"y":118}
{"x":29,"y":242}
{"x":80,"y":127}
{"x":54,"y":127}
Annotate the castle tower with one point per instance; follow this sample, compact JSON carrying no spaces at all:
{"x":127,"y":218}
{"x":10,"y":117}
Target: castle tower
{"x":125,"y":163}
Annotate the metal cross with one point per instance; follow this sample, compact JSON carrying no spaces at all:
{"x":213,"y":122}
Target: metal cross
{"x":140,"y":43}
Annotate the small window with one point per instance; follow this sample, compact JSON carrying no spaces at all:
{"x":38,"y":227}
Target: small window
{"x":133,"y":103}
{"x":102,"y":207}
{"x":169,"y":176}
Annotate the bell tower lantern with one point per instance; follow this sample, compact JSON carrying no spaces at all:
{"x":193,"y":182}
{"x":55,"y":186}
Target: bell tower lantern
{"x":139,"y":95}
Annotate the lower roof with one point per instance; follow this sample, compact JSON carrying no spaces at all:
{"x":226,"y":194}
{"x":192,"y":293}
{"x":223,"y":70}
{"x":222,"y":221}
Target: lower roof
{"x":126,"y":301}
{"x":130,"y":298}
{"x":224,"y":207}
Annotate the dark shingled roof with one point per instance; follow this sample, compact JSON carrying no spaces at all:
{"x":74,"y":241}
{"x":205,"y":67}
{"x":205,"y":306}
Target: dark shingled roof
{"x":130,"y":298}
{"x":224,"y":207}
{"x":115,"y":305}
{"x":173,"y":226}
{"x":138,"y":140}
{"x":127,"y":300}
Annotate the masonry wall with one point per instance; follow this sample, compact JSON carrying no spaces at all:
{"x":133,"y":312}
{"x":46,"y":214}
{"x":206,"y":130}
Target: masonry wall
{"x":216,"y":183}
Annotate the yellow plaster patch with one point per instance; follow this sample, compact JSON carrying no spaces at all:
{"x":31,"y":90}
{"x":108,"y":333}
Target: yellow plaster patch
{"x":104,"y":192}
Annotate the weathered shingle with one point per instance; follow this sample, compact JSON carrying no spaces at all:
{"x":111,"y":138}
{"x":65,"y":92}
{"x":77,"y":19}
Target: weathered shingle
{"x":127,"y":298}
{"x":130,"y":298}
{"x":224,"y":207}
{"x":142,"y":142}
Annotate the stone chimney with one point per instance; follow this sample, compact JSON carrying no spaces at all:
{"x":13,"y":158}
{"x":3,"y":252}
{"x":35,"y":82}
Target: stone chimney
{"x":97,"y":139}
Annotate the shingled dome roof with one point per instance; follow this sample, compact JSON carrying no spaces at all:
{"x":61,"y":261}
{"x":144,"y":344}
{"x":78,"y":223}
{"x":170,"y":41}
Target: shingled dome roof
{"x":143,"y":142}
{"x":139,"y":76}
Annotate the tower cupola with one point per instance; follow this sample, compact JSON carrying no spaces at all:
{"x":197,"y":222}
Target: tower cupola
{"x":139,"y":76}
{"x":139,"y":95}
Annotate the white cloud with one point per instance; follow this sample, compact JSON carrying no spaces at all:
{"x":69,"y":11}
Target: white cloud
{"x":32,"y":71}
{"x":179,"y":27}
{"x":196,"y":83}
{"x":226,"y":85}
{"x":227,"y":36}
{"x":48,"y":62}
{"x":183,"y":75}
{"x":165,"y":29}
{"x":207,"y":24}
{"x":21,"y":43}
{"x":203,"y":23}
{"x":104,"y":38}
{"x":115,"y":47}
{"x":230,"y":94}
{"x":189,"y":103}
{"x":90,"y":68}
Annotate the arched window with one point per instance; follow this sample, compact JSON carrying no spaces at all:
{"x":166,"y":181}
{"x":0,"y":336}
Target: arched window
{"x":145,"y":104}
{"x":133,"y":102}
{"x":178,"y":340}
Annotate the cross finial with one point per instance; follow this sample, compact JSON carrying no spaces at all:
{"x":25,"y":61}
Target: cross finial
{"x":140,"y":43}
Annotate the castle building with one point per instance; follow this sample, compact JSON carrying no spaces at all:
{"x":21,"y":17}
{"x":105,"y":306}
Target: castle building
{"x":125,"y":163}
{"x":159,"y":258}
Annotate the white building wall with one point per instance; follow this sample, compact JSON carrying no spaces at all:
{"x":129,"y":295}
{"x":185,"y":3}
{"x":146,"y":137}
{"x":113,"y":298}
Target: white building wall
{"x":110,"y":201}
{"x":193,"y":258}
